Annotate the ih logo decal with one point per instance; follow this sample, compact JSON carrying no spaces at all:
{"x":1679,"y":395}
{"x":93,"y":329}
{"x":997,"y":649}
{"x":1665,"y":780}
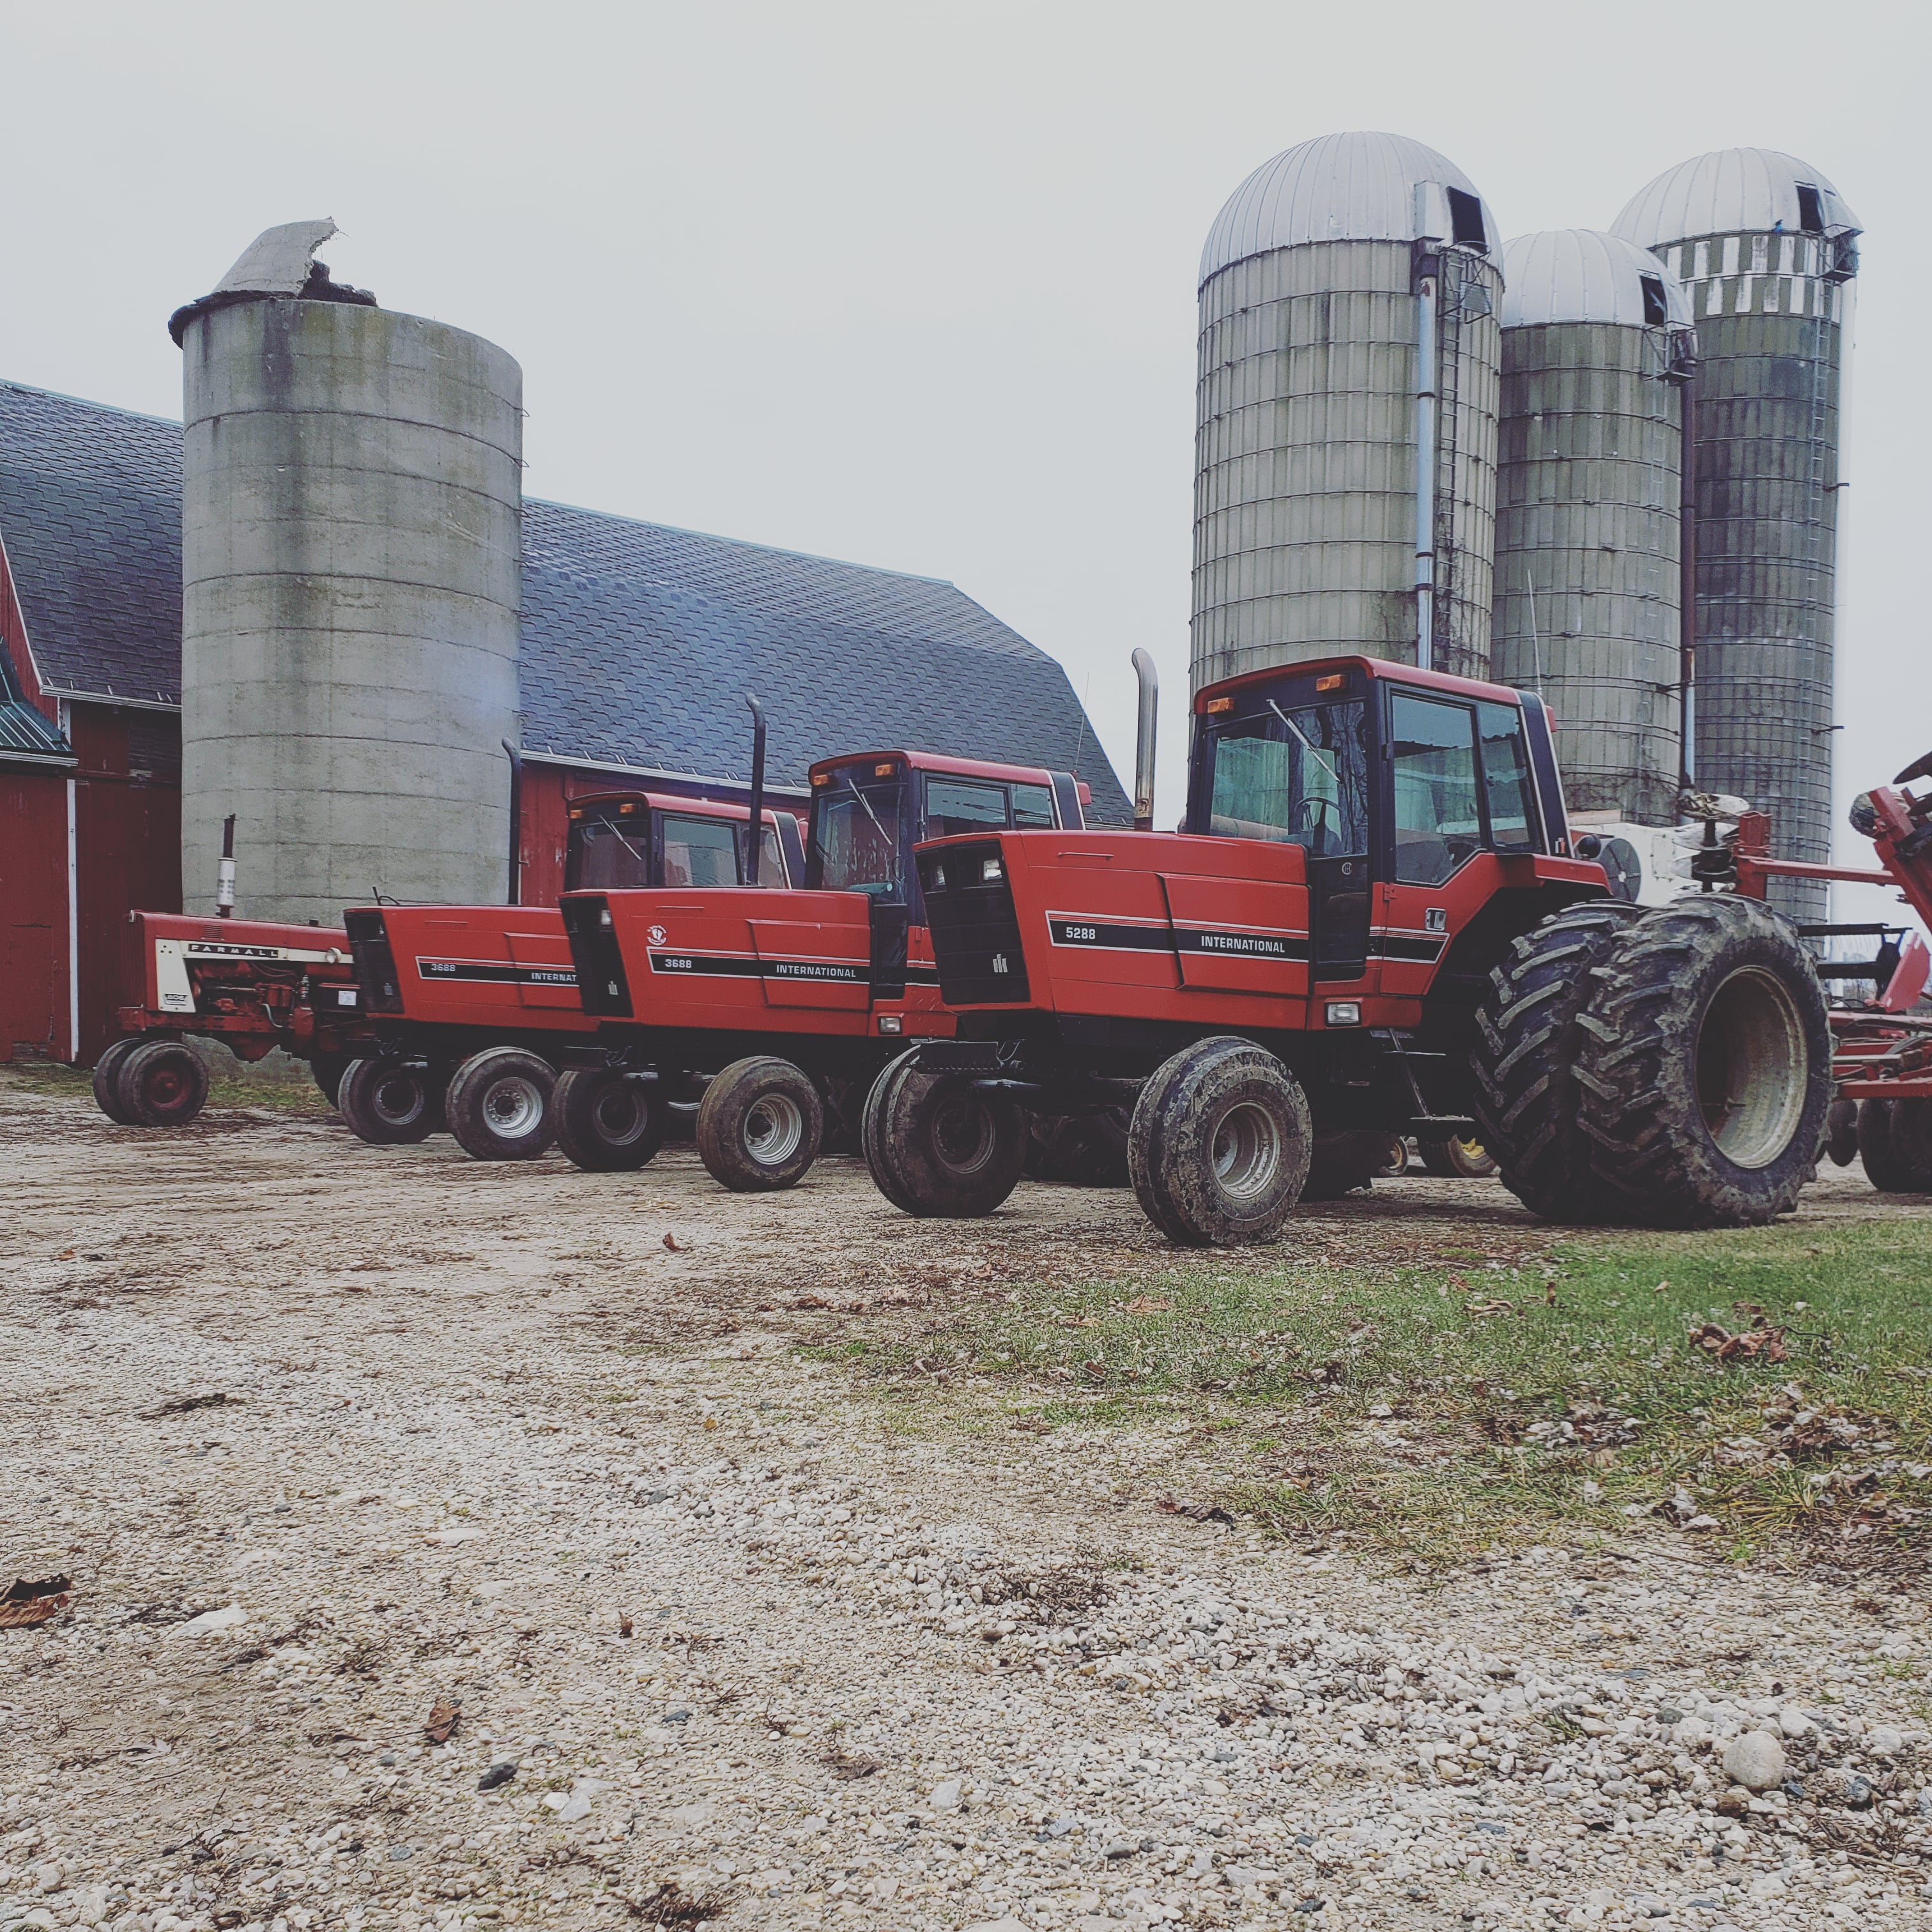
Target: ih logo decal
{"x":999,"y":962}
{"x":657,"y":935}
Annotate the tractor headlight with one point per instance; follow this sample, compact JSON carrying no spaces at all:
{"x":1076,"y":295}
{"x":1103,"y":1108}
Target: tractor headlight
{"x":1344,"y":1012}
{"x":991,"y":872}
{"x":891,"y":1023}
{"x":603,"y":918}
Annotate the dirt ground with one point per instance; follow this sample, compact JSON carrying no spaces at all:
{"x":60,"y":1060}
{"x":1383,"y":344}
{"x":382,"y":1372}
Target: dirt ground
{"x":325,"y":1435}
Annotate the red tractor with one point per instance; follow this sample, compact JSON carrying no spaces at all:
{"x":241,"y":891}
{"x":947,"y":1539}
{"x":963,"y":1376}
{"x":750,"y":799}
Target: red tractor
{"x":474,"y":1009}
{"x":1375,"y":923}
{"x":252,"y":985}
{"x":782,"y":1005}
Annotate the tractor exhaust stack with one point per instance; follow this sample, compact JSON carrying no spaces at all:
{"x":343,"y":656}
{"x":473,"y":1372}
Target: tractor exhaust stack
{"x":224,"y":886}
{"x":1143,"y":741}
{"x":757,"y":786}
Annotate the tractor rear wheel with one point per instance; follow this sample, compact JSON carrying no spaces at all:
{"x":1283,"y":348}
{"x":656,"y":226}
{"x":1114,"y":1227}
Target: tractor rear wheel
{"x":1219,"y":1145}
{"x":389,"y":1104}
{"x":1705,"y":1066}
{"x":106,"y":1074}
{"x":327,"y":1070}
{"x":760,"y":1125}
{"x":498,"y":1105}
{"x":1893,"y":1139}
{"x":938,"y":1146}
{"x":1082,"y":1150}
{"x":1458,"y":1160}
{"x":607,"y":1123}
{"x":161,"y":1084}
{"x":1528,"y":1105}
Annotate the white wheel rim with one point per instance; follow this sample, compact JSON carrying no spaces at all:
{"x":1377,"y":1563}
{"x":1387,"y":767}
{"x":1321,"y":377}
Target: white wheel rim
{"x":1751,"y":1068}
{"x":774,"y":1126}
{"x":512,"y":1107}
{"x":1247,"y":1151}
{"x":397,"y":1098}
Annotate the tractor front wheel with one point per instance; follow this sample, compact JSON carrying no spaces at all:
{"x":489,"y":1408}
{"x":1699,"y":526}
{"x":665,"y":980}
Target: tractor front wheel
{"x":1219,"y":1145}
{"x":498,"y":1105}
{"x":107,"y":1077}
{"x":1458,"y":1160}
{"x":1705,"y":1066}
{"x":327,"y":1070}
{"x":161,"y":1084}
{"x":760,"y":1125}
{"x":1895,"y":1143}
{"x":1344,"y":1163}
{"x":607,"y":1123}
{"x":389,"y":1104}
{"x":938,"y":1146}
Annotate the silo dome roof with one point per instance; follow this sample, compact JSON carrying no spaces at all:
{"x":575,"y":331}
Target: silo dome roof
{"x":1734,"y":191}
{"x":1339,"y":188}
{"x":1582,"y":275}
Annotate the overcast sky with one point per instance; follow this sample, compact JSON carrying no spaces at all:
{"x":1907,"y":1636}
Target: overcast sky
{"x":914,"y":284}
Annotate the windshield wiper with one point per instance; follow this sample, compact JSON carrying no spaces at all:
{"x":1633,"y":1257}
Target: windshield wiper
{"x":1315,"y":751}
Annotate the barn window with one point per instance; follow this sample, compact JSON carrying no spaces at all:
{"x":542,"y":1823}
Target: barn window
{"x":1811,"y":209}
{"x":1465,"y":220}
{"x":1656,"y":310}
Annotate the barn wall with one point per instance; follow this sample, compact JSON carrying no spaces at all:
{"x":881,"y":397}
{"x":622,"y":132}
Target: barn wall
{"x":34,"y":1002}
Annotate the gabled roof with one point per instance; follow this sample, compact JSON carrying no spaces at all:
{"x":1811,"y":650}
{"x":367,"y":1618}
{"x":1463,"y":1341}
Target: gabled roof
{"x":639,"y":641}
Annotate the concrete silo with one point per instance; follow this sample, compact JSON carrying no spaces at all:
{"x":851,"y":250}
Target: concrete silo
{"x":1344,"y":476}
{"x":1765,"y":245}
{"x":1596,"y":346}
{"x":351,"y":535}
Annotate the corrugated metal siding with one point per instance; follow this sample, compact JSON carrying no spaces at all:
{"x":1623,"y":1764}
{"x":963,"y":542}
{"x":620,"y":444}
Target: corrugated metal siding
{"x":1734,"y":190}
{"x":1305,"y":463}
{"x":1588,"y":476}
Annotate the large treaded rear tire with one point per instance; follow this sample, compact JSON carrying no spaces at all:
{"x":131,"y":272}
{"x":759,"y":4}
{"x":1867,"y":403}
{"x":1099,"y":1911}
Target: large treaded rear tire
{"x":1891,"y":1158}
{"x":761,"y":1125}
{"x":498,"y":1105}
{"x":1705,"y":1066}
{"x":1528,"y":1105}
{"x":106,"y":1073}
{"x":1219,"y":1145}
{"x":607,"y":1123}
{"x":939,"y":1147}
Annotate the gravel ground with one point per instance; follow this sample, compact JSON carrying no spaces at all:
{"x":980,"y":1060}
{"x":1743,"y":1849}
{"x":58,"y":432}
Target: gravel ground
{"x":327,"y":1435}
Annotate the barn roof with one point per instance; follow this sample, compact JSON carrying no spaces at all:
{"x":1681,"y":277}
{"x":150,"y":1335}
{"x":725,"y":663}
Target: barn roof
{"x":639,"y":640}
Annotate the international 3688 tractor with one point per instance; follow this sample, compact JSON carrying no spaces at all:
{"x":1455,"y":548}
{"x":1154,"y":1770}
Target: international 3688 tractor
{"x":1375,"y":923}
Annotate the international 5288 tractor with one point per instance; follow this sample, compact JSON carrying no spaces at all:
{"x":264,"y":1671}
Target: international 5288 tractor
{"x":1375,"y":923}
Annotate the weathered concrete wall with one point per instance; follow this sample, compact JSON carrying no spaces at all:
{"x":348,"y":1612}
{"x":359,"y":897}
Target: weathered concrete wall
{"x":351,"y":532}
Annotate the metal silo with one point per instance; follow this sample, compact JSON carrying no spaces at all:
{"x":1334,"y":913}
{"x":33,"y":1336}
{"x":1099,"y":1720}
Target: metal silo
{"x":351,"y":533}
{"x":1596,"y":346}
{"x":1766,"y":246}
{"x":1344,"y":476}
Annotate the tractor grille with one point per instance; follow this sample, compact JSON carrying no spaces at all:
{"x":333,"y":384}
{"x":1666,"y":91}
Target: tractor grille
{"x":375,"y":962}
{"x":975,"y":935}
{"x":598,"y":958}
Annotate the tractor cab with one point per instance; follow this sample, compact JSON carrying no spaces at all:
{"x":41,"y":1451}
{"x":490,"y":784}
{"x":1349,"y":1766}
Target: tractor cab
{"x":1407,"y":792}
{"x":624,"y":842}
{"x":869,"y":809}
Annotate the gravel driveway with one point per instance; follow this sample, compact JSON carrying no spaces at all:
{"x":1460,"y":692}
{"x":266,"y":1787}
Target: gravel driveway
{"x":327,"y":1437}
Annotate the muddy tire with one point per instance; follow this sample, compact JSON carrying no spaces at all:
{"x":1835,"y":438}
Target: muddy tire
{"x":1705,"y":1066}
{"x":1346,"y":1163}
{"x":106,"y":1073}
{"x":498,"y":1105}
{"x":606,"y":1122}
{"x":1394,"y":1161}
{"x":939,"y":1147}
{"x":1082,"y":1150}
{"x":389,"y":1104}
{"x":1458,"y":1160}
{"x":1528,"y":1105}
{"x":1219,"y":1145}
{"x":161,"y":1084}
{"x":1892,"y":1143}
{"x":326,"y":1069}
{"x":761,"y":1125}
{"x":1841,"y":1133}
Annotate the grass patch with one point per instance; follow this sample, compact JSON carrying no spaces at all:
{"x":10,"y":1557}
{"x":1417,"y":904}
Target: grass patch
{"x":243,"y":1087}
{"x":1763,"y":1383}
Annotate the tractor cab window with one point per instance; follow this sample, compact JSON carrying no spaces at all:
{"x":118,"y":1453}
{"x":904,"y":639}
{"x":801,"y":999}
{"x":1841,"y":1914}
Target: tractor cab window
{"x":700,"y":851}
{"x":1298,"y":775}
{"x":1032,"y":808}
{"x":609,"y":853}
{"x":771,"y":865}
{"x":963,"y":805}
{"x":856,"y":846}
{"x":1438,"y":821}
{"x":1506,"y":779}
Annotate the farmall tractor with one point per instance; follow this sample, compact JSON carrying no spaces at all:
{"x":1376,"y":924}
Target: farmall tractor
{"x":1375,"y":923}
{"x":784,"y":1006}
